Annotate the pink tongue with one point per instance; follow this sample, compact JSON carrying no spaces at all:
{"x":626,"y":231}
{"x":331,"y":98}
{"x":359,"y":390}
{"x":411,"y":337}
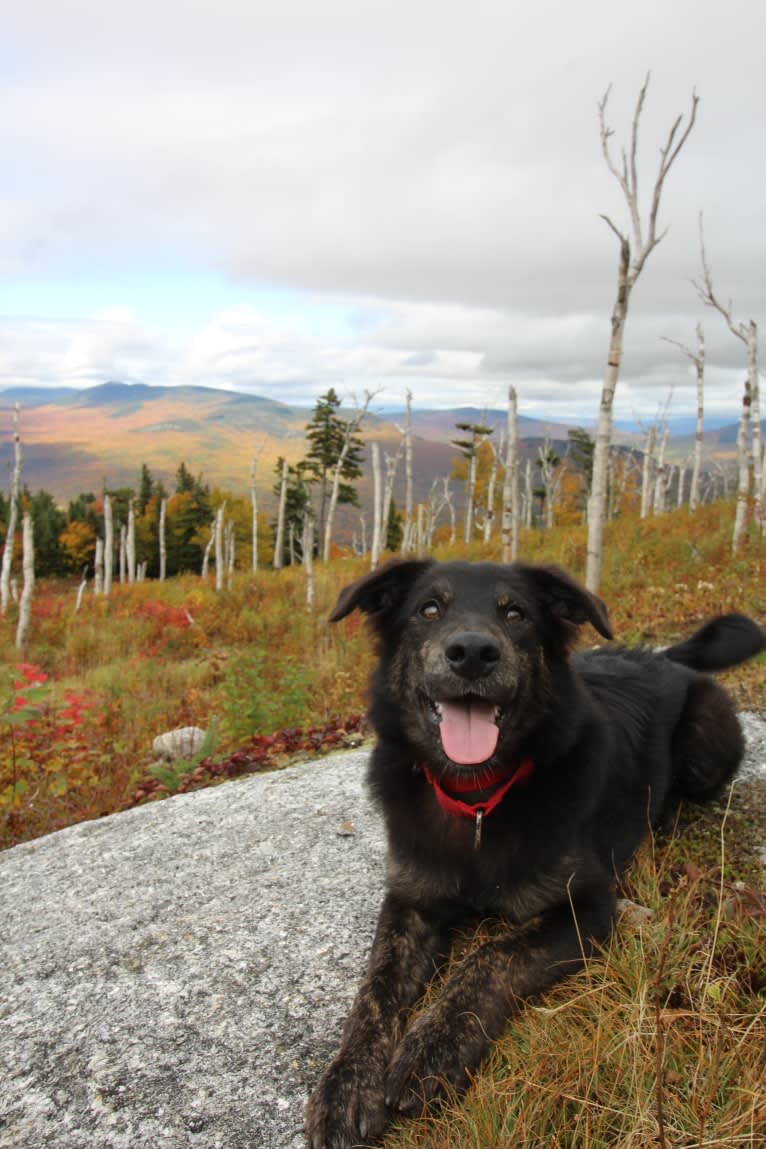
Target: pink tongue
{"x":468,"y":732}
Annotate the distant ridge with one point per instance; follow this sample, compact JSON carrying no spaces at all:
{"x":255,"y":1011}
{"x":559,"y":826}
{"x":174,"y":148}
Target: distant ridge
{"x":78,"y":439}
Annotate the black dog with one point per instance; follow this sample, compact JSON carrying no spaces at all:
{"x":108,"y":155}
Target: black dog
{"x":516,"y":782}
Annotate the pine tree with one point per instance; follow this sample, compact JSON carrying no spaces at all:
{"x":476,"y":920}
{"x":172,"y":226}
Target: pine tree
{"x":326,"y":435}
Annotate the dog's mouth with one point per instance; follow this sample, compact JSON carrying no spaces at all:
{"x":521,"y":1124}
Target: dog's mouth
{"x":468,"y":728}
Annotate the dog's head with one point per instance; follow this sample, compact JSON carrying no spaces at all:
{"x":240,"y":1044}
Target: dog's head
{"x":469,"y":650}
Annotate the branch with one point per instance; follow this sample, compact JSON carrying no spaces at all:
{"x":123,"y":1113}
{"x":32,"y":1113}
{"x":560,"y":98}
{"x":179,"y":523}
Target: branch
{"x":706,"y":292}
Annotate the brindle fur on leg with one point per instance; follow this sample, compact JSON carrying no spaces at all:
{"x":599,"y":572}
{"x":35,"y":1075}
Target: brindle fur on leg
{"x":348,"y":1107}
{"x":449,"y":1040}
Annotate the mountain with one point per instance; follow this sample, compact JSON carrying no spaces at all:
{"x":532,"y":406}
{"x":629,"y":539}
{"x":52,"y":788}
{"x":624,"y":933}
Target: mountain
{"x":78,"y":440}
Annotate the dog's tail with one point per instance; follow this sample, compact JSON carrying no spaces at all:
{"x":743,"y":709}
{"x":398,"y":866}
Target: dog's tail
{"x":723,"y":642}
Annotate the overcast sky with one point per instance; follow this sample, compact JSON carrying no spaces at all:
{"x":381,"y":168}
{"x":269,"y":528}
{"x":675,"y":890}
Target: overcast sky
{"x":279,"y":197}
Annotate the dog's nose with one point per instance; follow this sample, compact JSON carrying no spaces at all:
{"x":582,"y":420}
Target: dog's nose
{"x":472,"y":655}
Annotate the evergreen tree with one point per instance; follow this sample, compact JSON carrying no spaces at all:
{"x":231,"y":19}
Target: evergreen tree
{"x":48,"y":522}
{"x":185,"y":481}
{"x":326,"y":434}
{"x":394,"y":528}
{"x":145,"y":488}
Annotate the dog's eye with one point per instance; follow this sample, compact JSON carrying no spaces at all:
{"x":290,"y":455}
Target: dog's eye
{"x":514,"y":613}
{"x":431,"y":610}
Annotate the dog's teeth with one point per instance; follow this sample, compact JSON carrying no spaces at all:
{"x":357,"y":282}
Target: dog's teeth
{"x":498,"y":714}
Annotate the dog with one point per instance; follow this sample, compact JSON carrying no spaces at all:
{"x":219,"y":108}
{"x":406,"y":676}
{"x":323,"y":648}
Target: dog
{"x":516,"y":779}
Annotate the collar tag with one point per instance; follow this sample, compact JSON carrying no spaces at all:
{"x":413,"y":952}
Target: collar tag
{"x":477,"y":830}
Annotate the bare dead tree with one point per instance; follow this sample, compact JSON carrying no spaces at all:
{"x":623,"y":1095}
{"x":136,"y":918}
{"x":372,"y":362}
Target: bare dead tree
{"x":307,"y":546}
{"x":634,"y":250}
{"x":28,"y":567}
{"x":254,"y":504}
{"x":108,"y":545}
{"x":219,"y":556}
{"x":407,"y":539}
{"x":162,"y":539}
{"x":551,"y":475}
{"x":698,"y":359}
{"x":280,"y":539}
{"x":81,"y":589}
{"x":13,"y":512}
{"x":377,"y":506}
{"x":748,"y":334}
{"x":660,"y":475}
{"x":131,"y":541}
{"x":208,"y":549}
{"x":123,"y":552}
{"x":98,"y":568}
{"x":489,"y":518}
{"x":647,"y":478}
{"x":528,"y":500}
{"x":511,"y":483}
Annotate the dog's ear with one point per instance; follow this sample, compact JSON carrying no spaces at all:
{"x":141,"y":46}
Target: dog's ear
{"x":566,"y":598}
{"x":380,"y":590}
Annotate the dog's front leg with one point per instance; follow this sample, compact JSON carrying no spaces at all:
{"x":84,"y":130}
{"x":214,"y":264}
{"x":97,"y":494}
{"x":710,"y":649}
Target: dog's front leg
{"x":446,"y":1043}
{"x":347,"y":1107}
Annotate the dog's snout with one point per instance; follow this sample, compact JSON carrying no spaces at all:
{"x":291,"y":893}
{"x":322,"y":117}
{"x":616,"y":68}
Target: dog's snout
{"x":471,"y":654}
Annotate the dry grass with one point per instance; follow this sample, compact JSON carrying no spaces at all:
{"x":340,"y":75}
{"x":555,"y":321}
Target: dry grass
{"x":660,"y":1041}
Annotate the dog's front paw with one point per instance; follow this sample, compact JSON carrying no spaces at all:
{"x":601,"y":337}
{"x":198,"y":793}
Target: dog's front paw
{"x":347,"y":1107}
{"x":429,"y":1065}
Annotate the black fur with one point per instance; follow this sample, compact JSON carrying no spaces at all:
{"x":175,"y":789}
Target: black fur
{"x":613,"y":736}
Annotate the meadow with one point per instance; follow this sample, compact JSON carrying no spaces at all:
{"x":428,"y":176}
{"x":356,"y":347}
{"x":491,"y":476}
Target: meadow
{"x":660,"y":1041}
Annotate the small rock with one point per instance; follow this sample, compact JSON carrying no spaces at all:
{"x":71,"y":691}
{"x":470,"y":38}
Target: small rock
{"x":633,"y":915}
{"x":183,"y":742}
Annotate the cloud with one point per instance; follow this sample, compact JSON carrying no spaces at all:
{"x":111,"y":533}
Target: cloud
{"x":426,"y":176}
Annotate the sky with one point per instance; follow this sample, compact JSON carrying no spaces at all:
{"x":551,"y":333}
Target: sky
{"x":279,"y":198}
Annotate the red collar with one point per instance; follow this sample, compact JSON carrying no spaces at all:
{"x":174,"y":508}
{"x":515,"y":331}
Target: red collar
{"x":473,"y":785}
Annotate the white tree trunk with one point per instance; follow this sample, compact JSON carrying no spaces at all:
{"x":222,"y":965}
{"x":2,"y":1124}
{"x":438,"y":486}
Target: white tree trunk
{"x":699,"y":427}
{"x":254,"y":505}
{"x":123,"y":552}
{"x":490,"y":517}
{"x":408,"y":521}
{"x":597,"y":503}
{"x":108,"y":546}
{"x":13,"y":512}
{"x":755,"y":413}
{"x":743,"y":471}
{"x":280,"y":540}
{"x":28,"y":566}
{"x":81,"y":589}
{"x":98,"y":568}
{"x":647,"y":477}
{"x":308,"y":557}
{"x":661,"y":478}
{"x":208,"y":549}
{"x":230,"y":548}
{"x":219,"y":515}
{"x":377,"y":507}
{"x":511,"y":484}
{"x":131,"y":546}
{"x":528,"y":495}
{"x":163,"y":550}
{"x":468,"y":530}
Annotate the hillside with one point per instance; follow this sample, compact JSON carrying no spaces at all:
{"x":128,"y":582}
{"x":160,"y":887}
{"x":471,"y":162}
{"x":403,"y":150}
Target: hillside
{"x":79,"y":440}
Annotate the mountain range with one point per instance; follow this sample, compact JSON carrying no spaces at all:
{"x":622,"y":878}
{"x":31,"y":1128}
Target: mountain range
{"x":78,"y":440}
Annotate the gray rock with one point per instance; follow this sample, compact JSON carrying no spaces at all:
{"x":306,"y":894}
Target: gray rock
{"x":177,"y":976}
{"x":183,"y":742}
